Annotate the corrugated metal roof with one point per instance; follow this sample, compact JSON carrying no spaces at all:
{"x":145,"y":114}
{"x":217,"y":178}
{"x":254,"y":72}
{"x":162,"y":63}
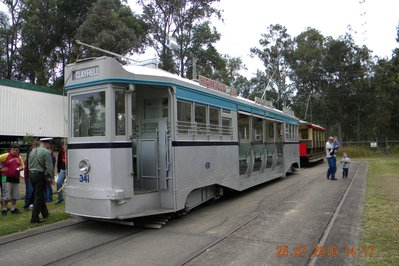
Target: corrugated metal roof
{"x":29,"y":86}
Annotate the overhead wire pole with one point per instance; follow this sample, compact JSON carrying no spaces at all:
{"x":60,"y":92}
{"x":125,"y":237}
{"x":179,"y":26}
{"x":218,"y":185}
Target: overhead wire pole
{"x":267,"y":85}
{"x":105,"y":51}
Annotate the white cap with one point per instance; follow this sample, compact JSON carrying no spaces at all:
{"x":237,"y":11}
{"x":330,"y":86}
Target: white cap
{"x":48,"y":140}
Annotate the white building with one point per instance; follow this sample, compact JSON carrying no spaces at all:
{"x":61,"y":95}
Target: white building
{"x":27,"y":109}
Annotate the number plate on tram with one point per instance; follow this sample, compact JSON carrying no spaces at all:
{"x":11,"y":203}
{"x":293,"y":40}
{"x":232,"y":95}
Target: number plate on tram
{"x":84,"y":178}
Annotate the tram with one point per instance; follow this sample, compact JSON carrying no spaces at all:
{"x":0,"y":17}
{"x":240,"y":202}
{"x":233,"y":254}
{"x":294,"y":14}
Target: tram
{"x":311,"y":142}
{"x":142,"y":141}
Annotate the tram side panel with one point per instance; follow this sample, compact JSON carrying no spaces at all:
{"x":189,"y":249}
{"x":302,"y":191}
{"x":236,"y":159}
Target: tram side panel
{"x":89,"y":194}
{"x":202,"y":166}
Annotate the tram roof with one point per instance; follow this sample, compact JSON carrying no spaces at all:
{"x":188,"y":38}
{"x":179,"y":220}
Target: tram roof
{"x":311,"y":125}
{"x":113,"y":72}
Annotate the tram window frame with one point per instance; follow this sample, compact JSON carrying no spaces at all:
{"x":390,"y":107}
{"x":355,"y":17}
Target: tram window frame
{"x":120,"y":110}
{"x":257,"y":130}
{"x":227,"y":126}
{"x":201,"y":125}
{"x":270,"y":131}
{"x":103,"y":121}
{"x":243,"y":124}
{"x":184,"y":126}
{"x":214,"y":127}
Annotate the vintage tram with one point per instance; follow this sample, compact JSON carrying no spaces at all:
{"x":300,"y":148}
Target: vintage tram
{"x":142,"y":141}
{"x":311,"y":142}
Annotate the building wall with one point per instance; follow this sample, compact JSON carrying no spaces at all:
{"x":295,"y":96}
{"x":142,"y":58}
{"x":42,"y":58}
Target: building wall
{"x":31,"y":111}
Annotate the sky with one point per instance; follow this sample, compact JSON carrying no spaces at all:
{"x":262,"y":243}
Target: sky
{"x":374,"y":23}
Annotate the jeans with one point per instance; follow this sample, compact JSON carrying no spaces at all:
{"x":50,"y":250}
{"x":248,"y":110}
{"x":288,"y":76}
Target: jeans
{"x":28,"y":193}
{"x":332,"y":167}
{"x":60,"y":182}
{"x":48,"y":193}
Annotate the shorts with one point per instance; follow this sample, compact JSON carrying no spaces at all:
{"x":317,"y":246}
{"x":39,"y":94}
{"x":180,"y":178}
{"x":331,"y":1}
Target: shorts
{"x":10,"y":191}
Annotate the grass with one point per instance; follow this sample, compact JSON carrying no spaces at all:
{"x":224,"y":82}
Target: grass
{"x":381,"y":212}
{"x":12,"y":223}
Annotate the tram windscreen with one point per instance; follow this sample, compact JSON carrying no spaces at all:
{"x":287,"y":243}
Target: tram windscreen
{"x":88,"y":114}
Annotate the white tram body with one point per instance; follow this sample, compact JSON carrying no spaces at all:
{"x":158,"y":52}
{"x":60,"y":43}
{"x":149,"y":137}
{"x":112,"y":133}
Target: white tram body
{"x":143,"y":141}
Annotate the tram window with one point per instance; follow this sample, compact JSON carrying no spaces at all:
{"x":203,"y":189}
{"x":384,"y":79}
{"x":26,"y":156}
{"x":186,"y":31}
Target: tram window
{"x":243,"y":127}
{"x":304,"y":133}
{"x":120,"y":115}
{"x":270,"y":130}
{"x":183,"y":111}
{"x":200,"y":114}
{"x":214,"y":118}
{"x":257,"y":130}
{"x":200,"y":118}
{"x":88,"y":114}
{"x":226,"y":126}
{"x":184,"y":117}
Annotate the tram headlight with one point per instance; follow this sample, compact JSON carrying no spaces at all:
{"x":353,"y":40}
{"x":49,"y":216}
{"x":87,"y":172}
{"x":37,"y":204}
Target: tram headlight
{"x":84,"y":166}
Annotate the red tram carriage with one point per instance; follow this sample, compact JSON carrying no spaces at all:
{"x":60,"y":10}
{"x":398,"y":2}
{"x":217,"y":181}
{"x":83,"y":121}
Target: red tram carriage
{"x":311,"y":142}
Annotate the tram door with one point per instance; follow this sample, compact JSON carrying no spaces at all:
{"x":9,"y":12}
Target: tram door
{"x":279,"y":147}
{"x":150,"y":142}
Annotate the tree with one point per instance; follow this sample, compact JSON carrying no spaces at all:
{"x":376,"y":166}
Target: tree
{"x":186,"y":21}
{"x":70,"y":15}
{"x":112,"y":26}
{"x":4,"y":25}
{"x":276,"y":47}
{"x":38,"y":41}
{"x":11,"y":32}
{"x":308,"y":75}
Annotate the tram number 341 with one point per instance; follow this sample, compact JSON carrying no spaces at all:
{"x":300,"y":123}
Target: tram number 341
{"x":84,"y":178}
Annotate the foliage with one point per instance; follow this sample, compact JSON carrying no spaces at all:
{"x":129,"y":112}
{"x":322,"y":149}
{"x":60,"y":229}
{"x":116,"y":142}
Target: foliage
{"x":328,"y":81}
{"x":188,"y":22}
{"x":112,"y":26}
{"x":276,"y":47}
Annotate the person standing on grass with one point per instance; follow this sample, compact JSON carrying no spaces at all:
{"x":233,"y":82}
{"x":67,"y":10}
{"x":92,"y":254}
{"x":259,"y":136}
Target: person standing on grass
{"x":12,"y":166}
{"x":40,"y":167}
{"x":28,"y":183}
{"x":61,"y":165}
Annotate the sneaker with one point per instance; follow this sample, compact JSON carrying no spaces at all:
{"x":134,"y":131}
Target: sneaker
{"x":31,"y":206}
{"x":4,"y":212}
{"x":15,"y":211}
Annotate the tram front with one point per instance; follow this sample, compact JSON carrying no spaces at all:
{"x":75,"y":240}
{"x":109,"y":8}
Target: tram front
{"x":118,"y":142}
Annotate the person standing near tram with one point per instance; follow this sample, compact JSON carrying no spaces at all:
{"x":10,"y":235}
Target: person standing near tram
{"x":12,"y":166}
{"x":61,"y":165}
{"x":331,"y":160}
{"x":40,"y":167}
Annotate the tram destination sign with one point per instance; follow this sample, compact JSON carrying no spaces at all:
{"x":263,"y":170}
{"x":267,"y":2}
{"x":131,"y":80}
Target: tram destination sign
{"x":85,"y":73}
{"x":215,"y":85}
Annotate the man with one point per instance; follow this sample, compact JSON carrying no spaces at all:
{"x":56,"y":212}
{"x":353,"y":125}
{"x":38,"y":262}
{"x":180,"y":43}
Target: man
{"x":331,"y":160}
{"x":40,"y":167}
{"x":12,"y":165}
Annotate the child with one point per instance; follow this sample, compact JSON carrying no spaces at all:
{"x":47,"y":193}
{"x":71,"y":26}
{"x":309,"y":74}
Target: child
{"x":345,"y":165}
{"x":335,"y":146}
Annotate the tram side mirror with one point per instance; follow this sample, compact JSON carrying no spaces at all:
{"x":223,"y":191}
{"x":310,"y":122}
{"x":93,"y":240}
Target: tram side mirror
{"x":130,"y":88}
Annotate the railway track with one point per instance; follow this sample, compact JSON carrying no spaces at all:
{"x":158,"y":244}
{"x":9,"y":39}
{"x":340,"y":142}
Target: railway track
{"x":91,"y":237}
{"x":311,"y":261}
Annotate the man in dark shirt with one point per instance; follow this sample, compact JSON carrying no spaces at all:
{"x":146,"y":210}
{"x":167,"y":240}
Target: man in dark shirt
{"x":40,"y":166}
